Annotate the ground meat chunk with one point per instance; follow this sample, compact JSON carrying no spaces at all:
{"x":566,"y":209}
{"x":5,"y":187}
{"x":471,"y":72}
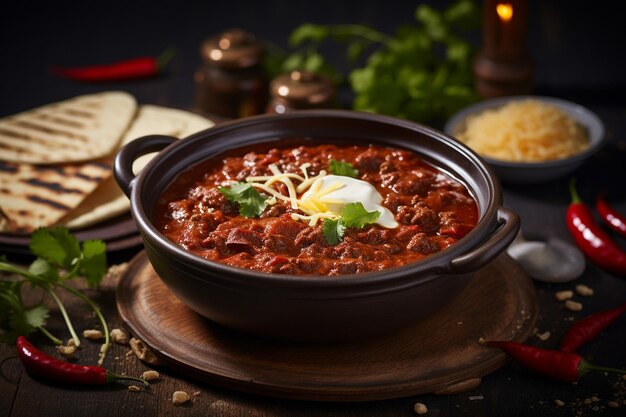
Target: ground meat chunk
{"x":277,"y":210}
{"x":285,"y":226}
{"x":351,"y":249}
{"x":373,"y":236}
{"x":420,"y":215}
{"x":412,"y":184}
{"x":212,"y":198}
{"x":368,"y":161}
{"x":309,"y":236}
{"x":280,"y":244}
{"x":242,"y":240}
{"x":423,"y":244}
{"x":342,"y":268}
{"x":393,"y":201}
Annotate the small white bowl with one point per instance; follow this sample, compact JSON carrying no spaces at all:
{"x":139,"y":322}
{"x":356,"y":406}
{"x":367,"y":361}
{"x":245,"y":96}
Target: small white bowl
{"x":532,"y":172}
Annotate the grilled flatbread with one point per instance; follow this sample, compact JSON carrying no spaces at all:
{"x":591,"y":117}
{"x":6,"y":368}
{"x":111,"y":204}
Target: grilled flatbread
{"x":108,"y":200}
{"x":79,"y":129}
{"x":40,"y":195}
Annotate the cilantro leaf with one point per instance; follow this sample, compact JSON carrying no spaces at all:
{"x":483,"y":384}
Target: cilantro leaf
{"x":251,"y":202}
{"x":93,"y":264}
{"x":352,"y":215}
{"x":44,"y":269}
{"x":26,"y":321}
{"x":333,"y":231}
{"x":355,"y":215}
{"x":342,"y":168}
{"x":56,"y":245}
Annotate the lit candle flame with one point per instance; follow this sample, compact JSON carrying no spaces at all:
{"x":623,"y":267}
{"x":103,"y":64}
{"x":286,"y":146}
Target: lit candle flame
{"x":505,"y":11}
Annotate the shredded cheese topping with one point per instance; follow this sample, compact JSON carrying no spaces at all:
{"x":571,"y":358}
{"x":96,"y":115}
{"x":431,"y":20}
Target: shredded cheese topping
{"x":314,"y":201}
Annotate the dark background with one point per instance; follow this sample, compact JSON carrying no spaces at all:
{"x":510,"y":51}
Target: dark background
{"x":577,"y":47}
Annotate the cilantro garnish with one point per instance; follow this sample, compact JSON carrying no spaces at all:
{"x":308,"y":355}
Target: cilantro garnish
{"x":352,"y":215}
{"x":333,"y":230}
{"x":342,"y":168}
{"x":60,"y":258}
{"x":251,"y":202}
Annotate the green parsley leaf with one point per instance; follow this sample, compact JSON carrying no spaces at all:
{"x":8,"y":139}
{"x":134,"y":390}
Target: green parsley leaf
{"x":342,"y":168}
{"x":251,"y":202}
{"x":26,"y":321}
{"x":355,"y":215}
{"x":333,"y":231}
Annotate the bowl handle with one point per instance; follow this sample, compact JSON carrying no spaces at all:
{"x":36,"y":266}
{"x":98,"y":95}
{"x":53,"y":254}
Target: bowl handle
{"x":509,"y":224}
{"x":123,"y":165}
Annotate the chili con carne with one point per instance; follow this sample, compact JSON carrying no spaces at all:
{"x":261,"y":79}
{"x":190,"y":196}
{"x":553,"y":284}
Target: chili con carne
{"x":591,"y":238}
{"x":588,"y":328}
{"x":140,"y":67}
{"x":42,"y":365}
{"x":614,"y":219}
{"x":432,"y":210}
{"x":555,"y":364}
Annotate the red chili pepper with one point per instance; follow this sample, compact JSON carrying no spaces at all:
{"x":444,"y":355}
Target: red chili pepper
{"x":141,"y":67}
{"x":588,"y":328}
{"x":614,"y":219}
{"x":40,"y":364}
{"x":563,"y":366}
{"x":591,"y":238}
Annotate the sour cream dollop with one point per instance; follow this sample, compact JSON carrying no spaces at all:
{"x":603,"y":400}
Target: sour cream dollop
{"x":335,"y":191}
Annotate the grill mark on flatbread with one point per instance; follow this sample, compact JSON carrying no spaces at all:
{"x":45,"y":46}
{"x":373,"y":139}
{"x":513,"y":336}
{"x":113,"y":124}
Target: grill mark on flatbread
{"x":78,"y":113}
{"x":5,"y":167}
{"x":102,"y":165}
{"x":49,"y":130}
{"x":61,"y":120}
{"x":48,"y":202}
{"x":26,"y":147}
{"x":52,"y":186}
{"x":93,"y":178}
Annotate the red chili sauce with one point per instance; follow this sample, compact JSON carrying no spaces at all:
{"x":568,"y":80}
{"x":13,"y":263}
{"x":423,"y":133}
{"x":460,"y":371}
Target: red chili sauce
{"x":433,"y":211}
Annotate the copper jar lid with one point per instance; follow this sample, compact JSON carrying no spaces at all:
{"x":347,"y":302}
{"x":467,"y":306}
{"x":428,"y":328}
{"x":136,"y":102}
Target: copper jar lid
{"x":232,"y":49}
{"x":301,"y":90}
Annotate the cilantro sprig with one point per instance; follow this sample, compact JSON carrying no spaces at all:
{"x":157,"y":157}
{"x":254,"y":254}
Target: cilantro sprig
{"x":352,"y":215}
{"x":342,"y":168}
{"x":422,"y":72}
{"x":251,"y":202}
{"x":60,"y":258}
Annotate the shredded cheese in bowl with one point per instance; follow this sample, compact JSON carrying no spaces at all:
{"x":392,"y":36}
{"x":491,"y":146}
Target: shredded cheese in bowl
{"x":525,"y":131}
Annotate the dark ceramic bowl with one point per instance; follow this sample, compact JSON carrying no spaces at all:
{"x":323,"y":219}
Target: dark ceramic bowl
{"x":319,"y":308}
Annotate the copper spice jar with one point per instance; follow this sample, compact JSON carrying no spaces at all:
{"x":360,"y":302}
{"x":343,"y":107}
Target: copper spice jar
{"x":300,"y":90}
{"x":231,"y":82}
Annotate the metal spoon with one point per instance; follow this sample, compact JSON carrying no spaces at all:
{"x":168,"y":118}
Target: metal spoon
{"x":554,"y":260}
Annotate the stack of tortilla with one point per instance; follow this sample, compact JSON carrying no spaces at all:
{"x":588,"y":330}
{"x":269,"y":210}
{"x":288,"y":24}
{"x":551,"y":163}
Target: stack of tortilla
{"x":55,"y":161}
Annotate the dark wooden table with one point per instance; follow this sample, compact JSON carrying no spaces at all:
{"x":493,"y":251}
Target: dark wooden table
{"x":511,"y":391}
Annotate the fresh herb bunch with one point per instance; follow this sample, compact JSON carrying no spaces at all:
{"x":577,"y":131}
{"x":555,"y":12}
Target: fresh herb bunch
{"x":60,"y":258}
{"x":423,"y":73}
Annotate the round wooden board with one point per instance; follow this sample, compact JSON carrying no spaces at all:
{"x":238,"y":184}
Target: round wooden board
{"x":441,"y":354}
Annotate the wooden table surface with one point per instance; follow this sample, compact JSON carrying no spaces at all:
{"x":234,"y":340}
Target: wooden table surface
{"x":510,"y":391}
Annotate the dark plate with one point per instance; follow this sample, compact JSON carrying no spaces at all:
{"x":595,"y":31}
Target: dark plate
{"x":118,"y":233}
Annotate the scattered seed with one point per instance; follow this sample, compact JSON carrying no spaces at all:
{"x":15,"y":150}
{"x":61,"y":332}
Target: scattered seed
{"x":143,"y":352}
{"x":573,"y":305}
{"x":476,"y":397}
{"x":595,"y":399}
{"x":584,"y":290}
{"x":92,"y":334}
{"x":119,"y":336}
{"x":180,"y":397}
{"x":420,"y":408}
{"x":150,"y":375}
{"x":67,"y":351}
{"x":613,"y":404}
{"x":134,"y":388}
{"x":587,"y":401}
{"x":544,"y":336}
{"x":564,"y":295}
{"x":71,"y":342}
{"x":559,"y":403}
